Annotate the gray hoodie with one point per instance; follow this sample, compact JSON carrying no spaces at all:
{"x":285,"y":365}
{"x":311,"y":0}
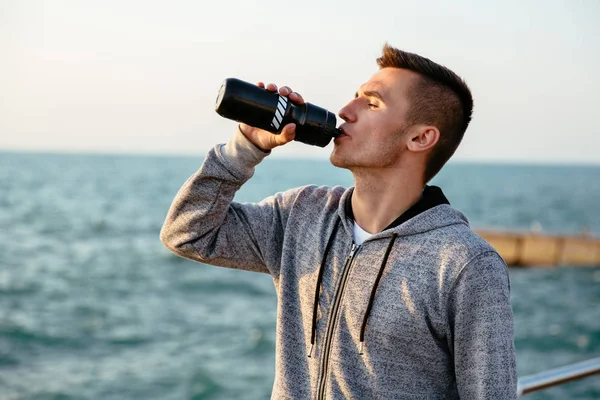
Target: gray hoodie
{"x":418,"y":311}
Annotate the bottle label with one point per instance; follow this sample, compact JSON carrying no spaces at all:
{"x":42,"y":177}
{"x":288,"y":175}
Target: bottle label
{"x":279,"y":112}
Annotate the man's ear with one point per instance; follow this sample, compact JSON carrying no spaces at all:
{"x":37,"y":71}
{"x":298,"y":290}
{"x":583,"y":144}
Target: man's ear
{"x":423,"y":138}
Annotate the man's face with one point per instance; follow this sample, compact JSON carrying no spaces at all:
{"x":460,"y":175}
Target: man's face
{"x":375,"y":122}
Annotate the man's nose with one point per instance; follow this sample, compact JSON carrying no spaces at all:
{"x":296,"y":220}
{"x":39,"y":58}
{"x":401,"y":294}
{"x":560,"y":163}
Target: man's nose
{"x":347,"y":114}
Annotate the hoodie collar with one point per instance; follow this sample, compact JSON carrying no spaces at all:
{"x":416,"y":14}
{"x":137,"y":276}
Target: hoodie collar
{"x":432,"y":197}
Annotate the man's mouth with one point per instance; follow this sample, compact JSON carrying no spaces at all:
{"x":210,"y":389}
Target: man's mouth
{"x":342,"y":132}
{"x":342,"y":137}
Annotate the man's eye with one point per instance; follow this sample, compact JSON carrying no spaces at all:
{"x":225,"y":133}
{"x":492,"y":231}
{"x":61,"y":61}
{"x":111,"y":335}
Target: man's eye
{"x":373,"y":105}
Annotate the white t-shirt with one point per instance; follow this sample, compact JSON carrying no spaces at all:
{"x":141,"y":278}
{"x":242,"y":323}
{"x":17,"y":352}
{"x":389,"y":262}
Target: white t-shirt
{"x":360,"y":235}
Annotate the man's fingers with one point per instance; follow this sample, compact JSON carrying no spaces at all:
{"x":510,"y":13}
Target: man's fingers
{"x":296,"y":98}
{"x":285,"y":91}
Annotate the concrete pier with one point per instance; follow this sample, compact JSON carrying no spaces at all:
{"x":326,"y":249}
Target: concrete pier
{"x":533,"y":249}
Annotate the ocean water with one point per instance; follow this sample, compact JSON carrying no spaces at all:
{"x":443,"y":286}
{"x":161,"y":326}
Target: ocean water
{"x":92,"y":306}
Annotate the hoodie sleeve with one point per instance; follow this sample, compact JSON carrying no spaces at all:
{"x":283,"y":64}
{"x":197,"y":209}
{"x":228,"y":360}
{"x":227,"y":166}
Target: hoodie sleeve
{"x":481,"y":322}
{"x":203,"y":224}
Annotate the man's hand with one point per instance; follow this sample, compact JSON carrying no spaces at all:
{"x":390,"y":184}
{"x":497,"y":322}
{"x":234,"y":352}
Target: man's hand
{"x":265,"y":139}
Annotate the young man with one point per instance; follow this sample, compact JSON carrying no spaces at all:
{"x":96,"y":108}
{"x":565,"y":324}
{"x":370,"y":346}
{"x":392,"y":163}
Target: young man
{"x":384,"y":292}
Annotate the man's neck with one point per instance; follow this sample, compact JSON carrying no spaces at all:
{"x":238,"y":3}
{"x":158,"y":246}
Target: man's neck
{"x":380,"y":197}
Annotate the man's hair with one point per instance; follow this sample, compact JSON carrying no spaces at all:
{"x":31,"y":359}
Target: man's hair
{"x":439,"y":98}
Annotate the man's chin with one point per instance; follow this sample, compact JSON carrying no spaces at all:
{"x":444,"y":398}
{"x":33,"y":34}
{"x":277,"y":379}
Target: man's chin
{"x":338,"y":161}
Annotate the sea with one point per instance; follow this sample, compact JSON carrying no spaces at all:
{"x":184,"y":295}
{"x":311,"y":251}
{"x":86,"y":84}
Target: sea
{"x":93,"y":306}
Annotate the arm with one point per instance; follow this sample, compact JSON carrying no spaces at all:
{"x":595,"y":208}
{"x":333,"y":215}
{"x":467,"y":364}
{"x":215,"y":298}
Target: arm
{"x":203,"y":224}
{"x":481,"y":321}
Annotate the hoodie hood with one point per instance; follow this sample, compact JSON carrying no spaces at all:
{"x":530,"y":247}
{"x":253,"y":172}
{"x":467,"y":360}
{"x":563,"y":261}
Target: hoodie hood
{"x":432,"y":211}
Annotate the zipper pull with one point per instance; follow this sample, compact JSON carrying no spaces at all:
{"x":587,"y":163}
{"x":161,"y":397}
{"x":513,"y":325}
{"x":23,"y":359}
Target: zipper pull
{"x":352,"y":251}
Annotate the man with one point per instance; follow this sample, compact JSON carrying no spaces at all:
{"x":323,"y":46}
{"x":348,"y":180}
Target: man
{"x":384,"y":292}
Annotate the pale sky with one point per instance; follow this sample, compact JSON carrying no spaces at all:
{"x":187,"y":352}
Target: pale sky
{"x":142,"y":76}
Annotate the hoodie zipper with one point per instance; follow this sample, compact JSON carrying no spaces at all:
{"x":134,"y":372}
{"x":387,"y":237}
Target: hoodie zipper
{"x":332,"y":317}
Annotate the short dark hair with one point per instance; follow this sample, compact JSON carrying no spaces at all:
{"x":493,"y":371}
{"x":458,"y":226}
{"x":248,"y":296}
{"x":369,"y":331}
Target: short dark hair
{"x":439,"y":98}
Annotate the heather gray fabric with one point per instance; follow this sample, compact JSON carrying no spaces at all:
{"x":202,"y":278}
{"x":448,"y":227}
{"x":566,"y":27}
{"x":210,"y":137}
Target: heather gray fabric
{"x":441,"y":324}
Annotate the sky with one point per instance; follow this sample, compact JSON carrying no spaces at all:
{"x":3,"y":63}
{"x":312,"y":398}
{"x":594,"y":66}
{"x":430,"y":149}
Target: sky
{"x":142,"y":76}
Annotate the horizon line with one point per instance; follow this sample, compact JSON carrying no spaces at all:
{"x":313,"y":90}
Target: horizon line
{"x":202,"y":154}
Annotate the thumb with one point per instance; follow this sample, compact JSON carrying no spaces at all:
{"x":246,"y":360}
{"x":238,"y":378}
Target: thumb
{"x":287,"y":134}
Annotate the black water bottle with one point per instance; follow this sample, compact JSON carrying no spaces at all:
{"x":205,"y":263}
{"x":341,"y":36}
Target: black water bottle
{"x":244,"y":102}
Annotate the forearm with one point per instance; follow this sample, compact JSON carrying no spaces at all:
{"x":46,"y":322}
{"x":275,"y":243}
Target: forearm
{"x":202,"y":220}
